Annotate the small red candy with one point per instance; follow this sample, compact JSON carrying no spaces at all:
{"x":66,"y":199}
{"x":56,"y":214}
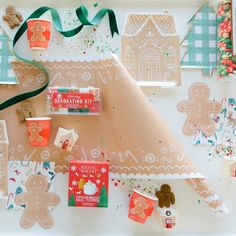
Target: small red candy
{"x":230,"y":69}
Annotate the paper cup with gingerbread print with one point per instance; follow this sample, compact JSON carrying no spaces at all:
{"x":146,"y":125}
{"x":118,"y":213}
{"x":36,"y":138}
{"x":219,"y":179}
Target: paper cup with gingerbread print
{"x":38,"y":33}
{"x":141,"y":206}
{"x":38,"y":130}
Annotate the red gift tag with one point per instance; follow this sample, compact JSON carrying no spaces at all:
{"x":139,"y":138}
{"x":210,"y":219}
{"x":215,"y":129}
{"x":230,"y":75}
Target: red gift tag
{"x":88,"y":184}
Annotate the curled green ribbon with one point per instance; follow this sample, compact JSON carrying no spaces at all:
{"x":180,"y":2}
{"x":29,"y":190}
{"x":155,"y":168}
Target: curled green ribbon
{"x":82,"y":14}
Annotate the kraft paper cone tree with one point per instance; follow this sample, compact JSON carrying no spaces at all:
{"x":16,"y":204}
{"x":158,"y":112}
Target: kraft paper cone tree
{"x":7,"y":75}
{"x":201,"y":41}
{"x":129,"y":132}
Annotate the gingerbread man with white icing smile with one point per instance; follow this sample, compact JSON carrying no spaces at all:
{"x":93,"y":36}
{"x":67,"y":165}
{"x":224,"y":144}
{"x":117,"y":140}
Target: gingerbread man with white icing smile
{"x":199,"y":109}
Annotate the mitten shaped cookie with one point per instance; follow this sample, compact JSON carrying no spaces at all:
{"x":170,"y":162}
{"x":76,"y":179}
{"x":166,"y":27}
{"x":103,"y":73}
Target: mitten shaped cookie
{"x":12,"y":17}
{"x":165,"y":196}
{"x":37,"y":200}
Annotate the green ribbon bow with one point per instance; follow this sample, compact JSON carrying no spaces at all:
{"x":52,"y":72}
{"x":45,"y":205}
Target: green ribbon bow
{"x":82,"y":14}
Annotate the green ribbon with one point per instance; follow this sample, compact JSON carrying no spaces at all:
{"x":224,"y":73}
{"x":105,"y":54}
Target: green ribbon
{"x":82,"y":14}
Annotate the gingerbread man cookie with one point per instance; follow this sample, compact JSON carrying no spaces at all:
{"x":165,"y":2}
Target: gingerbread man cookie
{"x":140,"y":206}
{"x":34,"y":130}
{"x":37,"y":200}
{"x":165,"y":196}
{"x":25,"y":110}
{"x":199,"y":109}
{"x":37,"y":31}
{"x":12,"y":17}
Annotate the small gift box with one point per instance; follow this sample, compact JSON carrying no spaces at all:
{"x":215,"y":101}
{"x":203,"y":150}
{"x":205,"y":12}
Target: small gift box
{"x":88,"y":184}
{"x":66,"y":139}
{"x":167,"y":217}
{"x":82,"y":101}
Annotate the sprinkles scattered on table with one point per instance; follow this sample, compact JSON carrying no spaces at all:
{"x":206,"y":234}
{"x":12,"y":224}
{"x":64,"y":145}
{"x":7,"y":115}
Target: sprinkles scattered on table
{"x":222,"y":152}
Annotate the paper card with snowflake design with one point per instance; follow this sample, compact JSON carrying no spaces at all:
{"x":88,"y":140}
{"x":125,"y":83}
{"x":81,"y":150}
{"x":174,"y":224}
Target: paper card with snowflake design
{"x":151,"y":49}
{"x":88,"y":184}
{"x":20,"y":171}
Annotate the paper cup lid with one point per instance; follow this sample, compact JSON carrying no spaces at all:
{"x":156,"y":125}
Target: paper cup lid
{"x":38,"y":118}
{"x":148,"y":195}
{"x":38,"y":19}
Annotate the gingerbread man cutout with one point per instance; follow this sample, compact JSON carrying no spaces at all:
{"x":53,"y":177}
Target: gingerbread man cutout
{"x":140,"y":206}
{"x":165,"y":196}
{"x":12,"y":17}
{"x":37,"y":31}
{"x":37,"y":200}
{"x":34,"y":130}
{"x":199,"y":109}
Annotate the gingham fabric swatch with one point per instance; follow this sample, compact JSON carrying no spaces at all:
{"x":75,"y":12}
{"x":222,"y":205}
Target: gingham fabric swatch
{"x":201,"y":41}
{"x":7,"y":75}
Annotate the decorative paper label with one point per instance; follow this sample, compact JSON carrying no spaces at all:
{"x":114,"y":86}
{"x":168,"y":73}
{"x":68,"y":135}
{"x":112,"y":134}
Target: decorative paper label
{"x":72,"y":99}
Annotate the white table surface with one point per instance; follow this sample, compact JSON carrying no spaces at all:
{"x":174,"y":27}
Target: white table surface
{"x":194,"y":217}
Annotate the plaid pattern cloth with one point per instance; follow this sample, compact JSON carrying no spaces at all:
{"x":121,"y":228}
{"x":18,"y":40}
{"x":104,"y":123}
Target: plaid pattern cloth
{"x":7,"y":75}
{"x":201,"y":41}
